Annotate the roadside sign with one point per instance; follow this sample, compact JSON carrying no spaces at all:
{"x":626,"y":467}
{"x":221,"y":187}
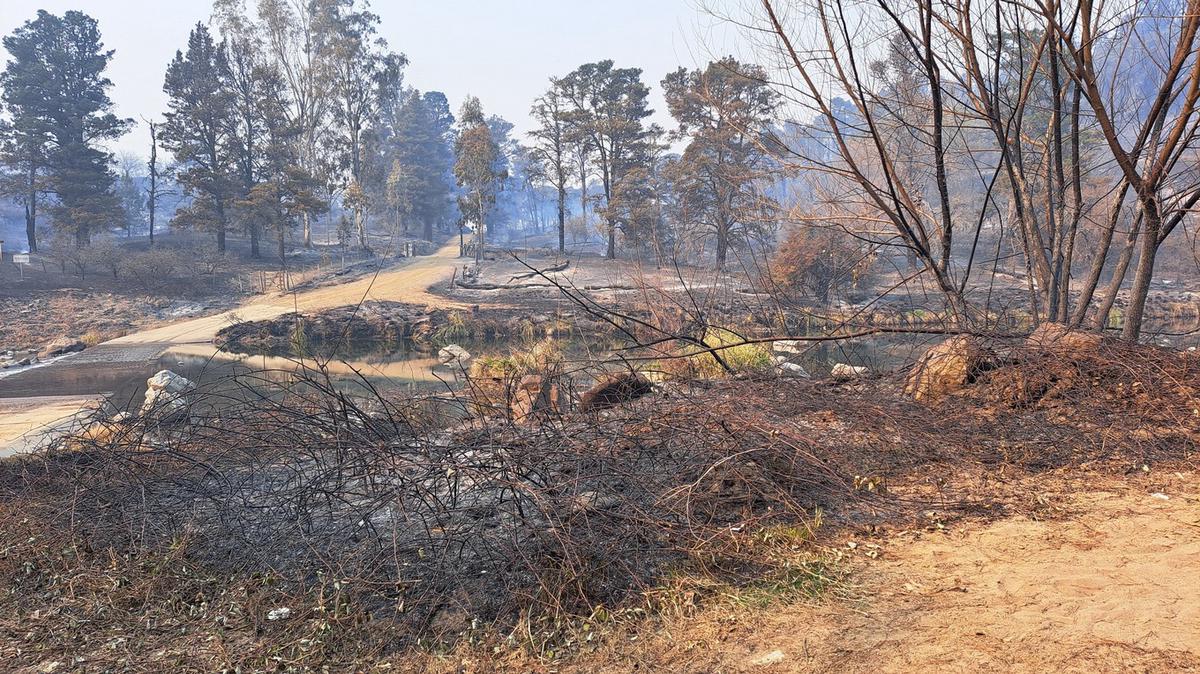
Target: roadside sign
{"x":21,"y":259}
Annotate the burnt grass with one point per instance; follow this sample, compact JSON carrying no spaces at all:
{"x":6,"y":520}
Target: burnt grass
{"x":382,"y":531}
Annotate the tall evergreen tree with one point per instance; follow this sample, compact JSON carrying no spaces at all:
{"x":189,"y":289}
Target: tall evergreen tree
{"x":57,"y":96}
{"x":199,"y":130}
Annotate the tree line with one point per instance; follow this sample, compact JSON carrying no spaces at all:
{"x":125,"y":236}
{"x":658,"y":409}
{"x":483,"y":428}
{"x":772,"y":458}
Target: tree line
{"x":1052,"y":141}
{"x":296,"y":109}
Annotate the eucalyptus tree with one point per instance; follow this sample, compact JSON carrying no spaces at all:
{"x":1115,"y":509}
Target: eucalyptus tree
{"x":551,"y":150}
{"x":366,"y":76}
{"x":477,"y":156}
{"x":725,"y":113}
{"x":154,"y":185}
{"x":285,"y":193}
{"x":609,"y":107}
{"x":300,"y":37}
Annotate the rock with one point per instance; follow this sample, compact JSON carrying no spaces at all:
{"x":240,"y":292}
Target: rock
{"x":454,"y":355}
{"x":787,"y":346}
{"x":535,"y":395}
{"x":844,"y":371}
{"x":281,"y":613}
{"x":1058,"y":338}
{"x":792,"y":370}
{"x":947,"y":367}
{"x":615,"y":390}
{"x":61,"y":346}
{"x":168,"y":381}
{"x":166,"y":397}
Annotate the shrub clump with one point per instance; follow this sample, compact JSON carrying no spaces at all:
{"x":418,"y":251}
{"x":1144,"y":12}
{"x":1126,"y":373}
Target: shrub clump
{"x":722,"y":353}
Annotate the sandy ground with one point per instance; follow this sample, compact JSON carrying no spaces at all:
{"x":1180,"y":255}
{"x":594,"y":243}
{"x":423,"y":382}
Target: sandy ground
{"x":24,"y":422}
{"x":1111,"y":585}
{"x":38,"y":416}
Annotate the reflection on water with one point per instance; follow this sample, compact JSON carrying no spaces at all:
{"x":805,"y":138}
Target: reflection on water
{"x":123,"y":381}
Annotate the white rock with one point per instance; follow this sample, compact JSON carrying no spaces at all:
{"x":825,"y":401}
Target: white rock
{"x":787,"y":346}
{"x":166,"y":396}
{"x":280,"y":613}
{"x":792,"y":370}
{"x":454,"y":355}
{"x":168,"y":381}
{"x":844,"y":371}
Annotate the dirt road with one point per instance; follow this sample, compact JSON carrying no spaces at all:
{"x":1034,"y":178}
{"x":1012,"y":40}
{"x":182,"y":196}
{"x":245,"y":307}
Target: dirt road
{"x":409,"y":283}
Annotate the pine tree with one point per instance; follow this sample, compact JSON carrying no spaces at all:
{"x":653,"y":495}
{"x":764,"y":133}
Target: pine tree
{"x":608,"y":109}
{"x":57,"y":96}
{"x":199,"y":130}
{"x":725,"y":112}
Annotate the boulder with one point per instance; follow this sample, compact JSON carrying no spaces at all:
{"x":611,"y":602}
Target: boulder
{"x":61,"y":346}
{"x":615,"y":390}
{"x":787,"y":346}
{"x":792,"y":370}
{"x":947,"y":367}
{"x":1058,"y":338}
{"x":166,"y":397}
{"x":844,"y":371}
{"x":454,"y":355}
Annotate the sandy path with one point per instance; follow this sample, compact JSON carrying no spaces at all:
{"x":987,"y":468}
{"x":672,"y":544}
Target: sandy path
{"x":1115,"y":587}
{"x":409,"y":283}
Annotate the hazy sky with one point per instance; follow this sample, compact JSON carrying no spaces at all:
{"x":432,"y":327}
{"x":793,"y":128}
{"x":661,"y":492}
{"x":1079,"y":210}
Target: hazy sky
{"x":502,"y":51}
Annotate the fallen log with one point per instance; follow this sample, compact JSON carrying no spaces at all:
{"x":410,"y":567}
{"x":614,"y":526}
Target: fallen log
{"x":539,"y":272}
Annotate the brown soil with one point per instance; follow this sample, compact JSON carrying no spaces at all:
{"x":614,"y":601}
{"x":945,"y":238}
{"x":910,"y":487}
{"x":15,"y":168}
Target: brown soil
{"x":1110,"y":583}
